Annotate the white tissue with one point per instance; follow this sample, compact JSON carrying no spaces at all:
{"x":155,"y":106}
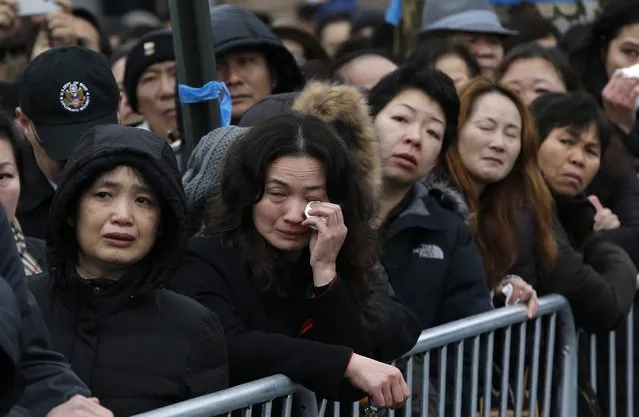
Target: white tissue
{"x":308,"y":208}
{"x":629,"y":72}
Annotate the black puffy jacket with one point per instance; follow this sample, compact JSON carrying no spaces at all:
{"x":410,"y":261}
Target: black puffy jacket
{"x":138,"y":346}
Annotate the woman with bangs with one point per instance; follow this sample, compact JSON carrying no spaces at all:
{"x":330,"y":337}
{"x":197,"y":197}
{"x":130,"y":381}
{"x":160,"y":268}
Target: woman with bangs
{"x":493,"y":162}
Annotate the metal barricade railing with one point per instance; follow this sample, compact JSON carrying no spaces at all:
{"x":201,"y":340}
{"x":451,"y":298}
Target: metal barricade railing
{"x":616,"y":405}
{"x":295,"y":400}
{"x":480,"y":331}
{"x":554,"y":314}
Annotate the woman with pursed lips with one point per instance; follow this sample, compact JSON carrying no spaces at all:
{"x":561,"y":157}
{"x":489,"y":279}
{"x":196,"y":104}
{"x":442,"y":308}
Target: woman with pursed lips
{"x":494,"y":162}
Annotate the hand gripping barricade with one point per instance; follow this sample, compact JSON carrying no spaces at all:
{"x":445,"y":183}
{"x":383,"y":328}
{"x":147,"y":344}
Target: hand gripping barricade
{"x":500,"y":339}
{"x":471,"y":345}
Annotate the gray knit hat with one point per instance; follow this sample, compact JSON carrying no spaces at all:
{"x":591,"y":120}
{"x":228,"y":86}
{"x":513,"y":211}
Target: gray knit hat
{"x":204,"y":169}
{"x":475,"y":16}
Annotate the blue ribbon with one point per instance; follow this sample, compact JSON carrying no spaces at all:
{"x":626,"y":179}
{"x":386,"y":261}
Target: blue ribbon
{"x":394,"y":13}
{"x":213,"y":90}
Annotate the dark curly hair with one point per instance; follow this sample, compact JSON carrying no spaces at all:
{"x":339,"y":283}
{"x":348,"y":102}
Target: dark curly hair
{"x":230,"y":213}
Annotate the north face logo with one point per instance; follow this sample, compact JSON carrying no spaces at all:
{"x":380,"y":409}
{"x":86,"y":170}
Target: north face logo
{"x":429,"y":252}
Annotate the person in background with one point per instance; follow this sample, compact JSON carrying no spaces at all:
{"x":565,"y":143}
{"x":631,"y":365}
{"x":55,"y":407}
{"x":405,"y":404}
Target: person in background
{"x":453,"y":59}
{"x":358,"y":63}
{"x":251,"y":60}
{"x":530,"y":70}
{"x":63,"y":93}
{"x":423,"y":223}
{"x":89,"y":31}
{"x":494,"y":162}
{"x":575,"y":136}
{"x":473,"y":23}
{"x":55,"y":29}
{"x":118,"y":67}
{"x":532,"y":29}
{"x":298,"y":295}
{"x":117,"y":228}
{"x":32,"y":251}
{"x":333,"y":28}
{"x":150,"y":84}
{"x":611,"y":43}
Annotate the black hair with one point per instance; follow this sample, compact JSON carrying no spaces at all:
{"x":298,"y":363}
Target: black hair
{"x":577,"y":110}
{"x":435,"y":84}
{"x":551,"y":55}
{"x":530,"y":29}
{"x":342,"y":16}
{"x":88,"y":16}
{"x":573,"y":35}
{"x":9,"y":132}
{"x":586,"y":54}
{"x":243,"y":181}
{"x":353,"y":48}
{"x":426,"y":54}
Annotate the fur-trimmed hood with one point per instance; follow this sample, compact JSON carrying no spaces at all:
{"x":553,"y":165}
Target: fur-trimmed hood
{"x":447,"y":196}
{"x":342,"y":107}
{"x":345,"y":108}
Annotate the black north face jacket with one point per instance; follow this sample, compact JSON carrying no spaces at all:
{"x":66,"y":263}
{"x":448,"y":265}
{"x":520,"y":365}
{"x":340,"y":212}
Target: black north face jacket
{"x":431,"y":259}
{"x":436,"y":269}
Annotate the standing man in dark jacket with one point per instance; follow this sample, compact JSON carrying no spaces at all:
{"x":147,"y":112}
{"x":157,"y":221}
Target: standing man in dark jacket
{"x":63,"y":93}
{"x":428,"y":251}
{"x":251,"y":60}
{"x":118,"y":226}
{"x":32,"y":375}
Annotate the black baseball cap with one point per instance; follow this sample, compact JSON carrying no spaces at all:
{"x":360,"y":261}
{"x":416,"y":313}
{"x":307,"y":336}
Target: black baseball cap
{"x":65,"y":92}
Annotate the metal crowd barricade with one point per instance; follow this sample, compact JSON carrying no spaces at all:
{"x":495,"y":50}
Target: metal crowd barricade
{"x":557,"y":391}
{"x":263,"y":393}
{"x":617,"y":405}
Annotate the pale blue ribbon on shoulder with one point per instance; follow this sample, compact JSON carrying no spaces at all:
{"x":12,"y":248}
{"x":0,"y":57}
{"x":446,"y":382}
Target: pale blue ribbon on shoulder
{"x":394,"y":13}
{"x":213,"y":90}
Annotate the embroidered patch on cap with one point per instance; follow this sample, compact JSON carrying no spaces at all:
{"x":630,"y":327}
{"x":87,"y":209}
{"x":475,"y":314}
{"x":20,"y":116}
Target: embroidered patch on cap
{"x":149,"y":48}
{"x":75,"y":96}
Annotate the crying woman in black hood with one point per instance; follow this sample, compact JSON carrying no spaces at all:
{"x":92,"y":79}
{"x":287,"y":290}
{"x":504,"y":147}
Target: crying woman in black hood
{"x":116,"y":228}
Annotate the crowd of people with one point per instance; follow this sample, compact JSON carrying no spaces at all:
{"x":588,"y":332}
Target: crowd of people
{"x":357,"y":198}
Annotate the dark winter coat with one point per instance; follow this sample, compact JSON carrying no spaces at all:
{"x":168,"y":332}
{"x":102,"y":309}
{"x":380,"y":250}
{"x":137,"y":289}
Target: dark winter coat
{"x":137,"y":345}
{"x":432,"y":262}
{"x":33,"y":375}
{"x":309,"y":339}
{"x":596,"y":276}
{"x":434,"y":265}
{"x":36,"y":194}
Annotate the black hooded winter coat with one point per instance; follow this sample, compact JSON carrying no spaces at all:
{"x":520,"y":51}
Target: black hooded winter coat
{"x":138,"y":346}
{"x":236,"y":29}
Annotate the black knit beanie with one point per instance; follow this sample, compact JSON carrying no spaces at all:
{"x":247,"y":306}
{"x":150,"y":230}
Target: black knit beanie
{"x":152,"y":48}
